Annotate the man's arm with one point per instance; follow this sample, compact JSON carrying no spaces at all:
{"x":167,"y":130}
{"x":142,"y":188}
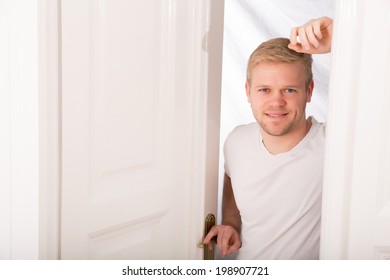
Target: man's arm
{"x":228,"y":234}
{"x":315,"y":36}
{"x":230,"y":213}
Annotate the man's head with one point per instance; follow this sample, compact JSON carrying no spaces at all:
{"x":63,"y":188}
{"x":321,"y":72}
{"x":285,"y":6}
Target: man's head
{"x":276,"y":50}
{"x":279,"y":84}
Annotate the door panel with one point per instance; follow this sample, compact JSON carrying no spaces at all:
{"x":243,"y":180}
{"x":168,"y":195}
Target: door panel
{"x":135,"y":85}
{"x":356,"y":212}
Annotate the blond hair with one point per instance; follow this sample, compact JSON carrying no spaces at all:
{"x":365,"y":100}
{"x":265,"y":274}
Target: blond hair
{"x":276,"y":50}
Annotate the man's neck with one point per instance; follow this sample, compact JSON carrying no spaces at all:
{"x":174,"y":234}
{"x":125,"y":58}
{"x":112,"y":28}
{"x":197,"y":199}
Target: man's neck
{"x":281,"y":144}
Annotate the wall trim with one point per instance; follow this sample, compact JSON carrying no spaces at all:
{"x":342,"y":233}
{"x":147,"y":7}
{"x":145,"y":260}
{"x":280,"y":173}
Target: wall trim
{"x":50,"y":128}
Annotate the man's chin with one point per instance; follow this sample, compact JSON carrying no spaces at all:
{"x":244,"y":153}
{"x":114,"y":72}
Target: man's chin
{"x":275,"y":130}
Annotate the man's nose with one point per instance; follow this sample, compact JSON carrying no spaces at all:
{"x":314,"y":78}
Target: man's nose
{"x":278,"y":99}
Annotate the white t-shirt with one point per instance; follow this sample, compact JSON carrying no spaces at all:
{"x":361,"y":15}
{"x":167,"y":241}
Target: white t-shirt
{"x":279,"y":196}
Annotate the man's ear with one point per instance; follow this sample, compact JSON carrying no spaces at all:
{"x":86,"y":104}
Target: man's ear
{"x":310,"y":91}
{"x":247,"y":89}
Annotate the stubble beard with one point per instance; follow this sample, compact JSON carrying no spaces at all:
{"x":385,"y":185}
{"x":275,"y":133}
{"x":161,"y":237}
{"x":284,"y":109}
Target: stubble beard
{"x":277,"y":131}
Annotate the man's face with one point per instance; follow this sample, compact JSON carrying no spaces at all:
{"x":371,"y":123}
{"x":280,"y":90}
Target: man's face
{"x":278,"y":97}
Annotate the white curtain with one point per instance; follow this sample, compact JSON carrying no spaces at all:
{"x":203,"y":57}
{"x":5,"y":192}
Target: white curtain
{"x":247,"y":24}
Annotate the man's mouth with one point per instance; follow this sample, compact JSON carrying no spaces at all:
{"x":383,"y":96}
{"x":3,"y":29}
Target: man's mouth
{"x":276,"y":115}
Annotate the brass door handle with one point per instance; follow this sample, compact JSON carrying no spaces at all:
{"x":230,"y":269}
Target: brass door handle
{"x":208,"y":224}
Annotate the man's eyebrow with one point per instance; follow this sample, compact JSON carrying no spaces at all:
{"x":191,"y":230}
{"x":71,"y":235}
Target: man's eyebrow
{"x":261,"y":85}
{"x":293,"y":86}
{"x":284,"y":86}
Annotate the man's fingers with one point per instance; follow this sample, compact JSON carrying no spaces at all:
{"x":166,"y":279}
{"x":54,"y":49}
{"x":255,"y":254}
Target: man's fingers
{"x":317,"y":28}
{"x":225,"y":243}
{"x":314,"y":37}
{"x":297,"y":47}
{"x":293,"y":36}
{"x":228,"y":243}
{"x":302,"y":37}
{"x":311,"y":37}
{"x":213,"y":232}
{"x":234,"y":247}
{"x":228,"y":240}
{"x":220,"y":244}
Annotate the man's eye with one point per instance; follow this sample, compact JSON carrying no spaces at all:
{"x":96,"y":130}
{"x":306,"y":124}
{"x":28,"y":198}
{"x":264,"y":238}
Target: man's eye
{"x":264,"y":90}
{"x":289,"y":90}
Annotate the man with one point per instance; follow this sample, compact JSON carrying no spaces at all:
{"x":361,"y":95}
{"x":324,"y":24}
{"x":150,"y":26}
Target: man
{"x":273,"y":167}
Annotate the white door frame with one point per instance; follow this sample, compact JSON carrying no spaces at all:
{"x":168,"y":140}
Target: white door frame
{"x":50,"y":128}
{"x":19,"y":117}
{"x":356,"y":202}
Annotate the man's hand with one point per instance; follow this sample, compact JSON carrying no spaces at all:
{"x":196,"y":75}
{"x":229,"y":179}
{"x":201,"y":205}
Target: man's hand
{"x":228,"y":239}
{"x":315,"y":36}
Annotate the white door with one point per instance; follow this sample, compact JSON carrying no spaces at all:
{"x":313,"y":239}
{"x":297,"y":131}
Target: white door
{"x":356,"y":212}
{"x":140,"y":126}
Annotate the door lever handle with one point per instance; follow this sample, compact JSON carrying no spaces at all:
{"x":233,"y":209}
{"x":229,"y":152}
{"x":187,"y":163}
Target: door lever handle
{"x":208,"y":224}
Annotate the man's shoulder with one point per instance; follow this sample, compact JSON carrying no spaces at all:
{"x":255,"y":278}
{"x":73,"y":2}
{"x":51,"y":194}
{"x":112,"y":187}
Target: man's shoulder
{"x":320,"y":126}
{"x":244,"y":129}
{"x":242,"y":133}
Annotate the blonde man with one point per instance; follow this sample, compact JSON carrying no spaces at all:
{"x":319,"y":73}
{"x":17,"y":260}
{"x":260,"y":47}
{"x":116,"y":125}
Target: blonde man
{"x":273,"y":167}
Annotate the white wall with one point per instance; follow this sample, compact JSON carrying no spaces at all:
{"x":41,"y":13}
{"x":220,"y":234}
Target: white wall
{"x":19,"y":159}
